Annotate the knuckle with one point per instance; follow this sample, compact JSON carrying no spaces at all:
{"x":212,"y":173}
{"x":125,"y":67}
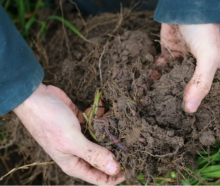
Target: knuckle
{"x":97,"y":158}
{"x":204,"y":87}
{"x":201,"y":85}
{"x":71,"y":168}
{"x":94,"y":157}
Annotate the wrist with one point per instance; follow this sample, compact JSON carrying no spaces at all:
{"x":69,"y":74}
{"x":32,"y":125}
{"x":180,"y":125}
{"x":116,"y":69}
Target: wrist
{"x":31,"y":100}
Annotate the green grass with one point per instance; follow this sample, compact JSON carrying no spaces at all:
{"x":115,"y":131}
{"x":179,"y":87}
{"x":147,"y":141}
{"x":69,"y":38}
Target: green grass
{"x":67,"y":23}
{"x":23,"y":14}
{"x":208,"y":168}
{"x":92,"y":113}
{"x":208,"y":171}
{"x":141,"y":179}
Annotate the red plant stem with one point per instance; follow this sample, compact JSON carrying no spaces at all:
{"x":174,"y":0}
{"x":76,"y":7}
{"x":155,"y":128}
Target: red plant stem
{"x":115,"y":140}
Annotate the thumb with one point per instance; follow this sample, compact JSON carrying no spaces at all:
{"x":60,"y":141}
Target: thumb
{"x":200,"y":84}
{"x":99,"y":157}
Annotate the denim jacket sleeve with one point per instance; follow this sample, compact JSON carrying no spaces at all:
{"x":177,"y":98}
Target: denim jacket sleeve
{"x":20,"y":72}
{"x":188,"y":11}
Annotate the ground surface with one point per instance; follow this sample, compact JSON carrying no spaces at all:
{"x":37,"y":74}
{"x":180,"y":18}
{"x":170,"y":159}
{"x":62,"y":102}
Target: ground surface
{"x":147,"y":118}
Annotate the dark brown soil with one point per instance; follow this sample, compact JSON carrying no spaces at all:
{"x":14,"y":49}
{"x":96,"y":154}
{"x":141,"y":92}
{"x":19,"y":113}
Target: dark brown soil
{"x":146,"y":117}
{"x":159,"y":135}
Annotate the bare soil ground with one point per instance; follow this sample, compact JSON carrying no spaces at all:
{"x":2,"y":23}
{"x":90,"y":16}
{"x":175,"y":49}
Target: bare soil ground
{"x":146,"y":117}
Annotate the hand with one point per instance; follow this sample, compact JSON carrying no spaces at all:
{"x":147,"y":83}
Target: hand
{"x":50,"y":117}
{"x":203,"y":41}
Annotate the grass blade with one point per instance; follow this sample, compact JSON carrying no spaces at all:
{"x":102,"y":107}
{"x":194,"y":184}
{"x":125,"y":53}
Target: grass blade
{"x":212,"y":174}
{"x":184,"y":182}
{"x":28,"y":25}
{"x":202,"y":161}
{"x":212,"y":168}
{"x":6,"y":5}
{"x":90,"y":131}
{"x":93,"y":135}
{"x":38,"y":5}
{"x":85,"y":116}
{"x":27,"y":6}
{"x":43,"y":28}
{"x":131,"y":101}
{"x":67,"y":23}
{"x":21,"y":13}
{"x":2,"y":2}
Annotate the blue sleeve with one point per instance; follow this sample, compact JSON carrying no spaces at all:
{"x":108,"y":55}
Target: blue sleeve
{"x":188,"y":11}
{"x":20,"y":72}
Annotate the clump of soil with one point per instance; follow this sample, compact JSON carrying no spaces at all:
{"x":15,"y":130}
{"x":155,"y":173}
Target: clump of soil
{"x":147,"y":118}
{"x":71,"y":64}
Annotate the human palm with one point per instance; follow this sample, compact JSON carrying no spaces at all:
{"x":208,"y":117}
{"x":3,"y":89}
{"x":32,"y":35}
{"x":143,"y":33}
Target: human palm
{"x":51,"y":118}
{"x":203,"y":41}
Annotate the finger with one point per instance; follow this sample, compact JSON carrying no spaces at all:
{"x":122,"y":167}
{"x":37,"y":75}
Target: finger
{"x":155,"y":75}
{"x":199,"y":85}
{"x":161,"y":61}
{"x":100,"y":111}
{"x":79,"y":168}
{"x":97,"y":156}
{"x":172,"y":43}
{"x":81,"y":118}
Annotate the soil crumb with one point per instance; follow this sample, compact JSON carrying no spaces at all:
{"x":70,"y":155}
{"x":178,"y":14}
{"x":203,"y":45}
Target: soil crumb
{"x":149,"y":120}
{"x":146,"y":117}
{"x":72,"y":64}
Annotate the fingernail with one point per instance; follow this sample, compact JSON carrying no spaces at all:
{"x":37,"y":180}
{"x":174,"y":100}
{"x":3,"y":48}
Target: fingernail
{"x":193,"y":105}
{"x":111,"y":168}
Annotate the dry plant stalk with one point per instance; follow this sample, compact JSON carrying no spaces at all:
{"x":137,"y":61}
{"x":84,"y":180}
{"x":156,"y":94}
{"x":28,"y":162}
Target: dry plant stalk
{"x":168,"y":49}
{"x":26,"y":167}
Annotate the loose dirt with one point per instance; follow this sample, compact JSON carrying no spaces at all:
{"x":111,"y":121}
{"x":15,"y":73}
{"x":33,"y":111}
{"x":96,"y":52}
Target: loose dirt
{"x":150,"y":122}
{"x":146,"y":117}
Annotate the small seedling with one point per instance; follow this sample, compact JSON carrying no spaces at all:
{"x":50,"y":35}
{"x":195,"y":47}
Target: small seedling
{"x":208,"y":168}
{"x":93,"y":112}
{"x":173,"y":175}
{"x":141,"y":179}
{"x":131,"y":101}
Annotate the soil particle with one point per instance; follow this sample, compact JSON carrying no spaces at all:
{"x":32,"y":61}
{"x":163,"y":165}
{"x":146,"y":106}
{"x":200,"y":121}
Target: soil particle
{"x":72,"y":64}
{"x":132,"y":136}
{"x":207,"y":138}
{"x":169,"y":132}
{"x":141,"y":108}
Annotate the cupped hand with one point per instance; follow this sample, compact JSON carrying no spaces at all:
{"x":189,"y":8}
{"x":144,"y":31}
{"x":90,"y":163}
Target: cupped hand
{"x":203,"y":41}
{"x":51,"y":118}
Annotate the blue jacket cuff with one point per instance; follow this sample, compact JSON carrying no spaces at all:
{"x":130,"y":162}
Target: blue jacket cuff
{"x":20,"y":71}
{"x":187,"y":11}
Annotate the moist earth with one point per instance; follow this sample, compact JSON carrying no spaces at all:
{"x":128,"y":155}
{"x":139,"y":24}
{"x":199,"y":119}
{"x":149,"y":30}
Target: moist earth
{"x":148,"y":118}
{"x":145,"y":116}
